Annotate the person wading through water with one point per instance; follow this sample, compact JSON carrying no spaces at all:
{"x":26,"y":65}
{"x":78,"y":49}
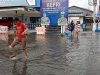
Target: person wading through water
{"x":21,"y":30}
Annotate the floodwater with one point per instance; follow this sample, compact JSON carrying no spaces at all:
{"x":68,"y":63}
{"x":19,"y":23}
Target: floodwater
{"x":53,"y":55}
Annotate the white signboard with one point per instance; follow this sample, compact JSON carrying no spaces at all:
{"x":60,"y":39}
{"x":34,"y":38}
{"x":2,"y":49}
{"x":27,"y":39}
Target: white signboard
{"x":40,"y":30}
{"x":3,"y":29}
{"x":31,"y":2}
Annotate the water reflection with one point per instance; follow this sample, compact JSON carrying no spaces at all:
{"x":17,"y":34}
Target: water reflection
{"x":19,"y":70}
{"x":4,"y":37}
{"x":41,"y":37}
{"x":58,"y":55}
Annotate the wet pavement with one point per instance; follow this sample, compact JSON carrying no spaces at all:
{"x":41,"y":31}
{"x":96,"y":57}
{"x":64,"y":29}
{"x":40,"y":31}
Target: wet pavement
{"x":53,"y":54}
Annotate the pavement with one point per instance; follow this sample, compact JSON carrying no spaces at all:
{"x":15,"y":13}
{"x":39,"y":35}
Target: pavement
{"x":53,"y":55}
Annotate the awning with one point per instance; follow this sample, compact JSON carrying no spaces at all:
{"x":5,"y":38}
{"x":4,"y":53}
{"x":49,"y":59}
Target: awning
{"x":13,"y":9}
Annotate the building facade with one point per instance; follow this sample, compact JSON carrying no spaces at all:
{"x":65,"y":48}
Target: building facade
{"x":10,"y":9}
{"x":79,"y":14}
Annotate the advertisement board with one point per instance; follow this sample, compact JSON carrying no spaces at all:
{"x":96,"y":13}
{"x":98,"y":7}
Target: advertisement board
{"x":53,"y":9}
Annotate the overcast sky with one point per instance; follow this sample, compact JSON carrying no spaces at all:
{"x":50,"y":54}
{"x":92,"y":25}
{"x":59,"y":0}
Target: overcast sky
{"x":80,"y":3}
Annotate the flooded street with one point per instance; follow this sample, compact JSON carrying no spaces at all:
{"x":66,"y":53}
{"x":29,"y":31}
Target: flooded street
{"x":53,"y":55}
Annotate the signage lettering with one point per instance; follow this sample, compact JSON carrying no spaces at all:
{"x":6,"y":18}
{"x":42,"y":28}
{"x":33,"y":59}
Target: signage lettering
{"x":53,"y":4}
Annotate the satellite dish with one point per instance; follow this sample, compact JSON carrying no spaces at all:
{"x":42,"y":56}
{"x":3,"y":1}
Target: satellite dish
{"x":31,"y":2}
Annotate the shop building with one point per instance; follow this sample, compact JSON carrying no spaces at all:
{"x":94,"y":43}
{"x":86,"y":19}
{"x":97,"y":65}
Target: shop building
{"x":79,"y":14}
{"x":10,"y":9}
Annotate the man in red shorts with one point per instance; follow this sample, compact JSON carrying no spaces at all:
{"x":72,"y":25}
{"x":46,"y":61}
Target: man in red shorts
{"x":21,"y":37}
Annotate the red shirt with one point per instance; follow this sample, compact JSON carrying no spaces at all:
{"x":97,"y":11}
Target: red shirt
{"x":20,"y":28}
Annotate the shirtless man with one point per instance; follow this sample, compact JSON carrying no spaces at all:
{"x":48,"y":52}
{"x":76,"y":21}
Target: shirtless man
{"x":21,"y":37}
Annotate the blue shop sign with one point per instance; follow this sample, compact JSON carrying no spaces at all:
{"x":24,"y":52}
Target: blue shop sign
{"x":98,"y":15}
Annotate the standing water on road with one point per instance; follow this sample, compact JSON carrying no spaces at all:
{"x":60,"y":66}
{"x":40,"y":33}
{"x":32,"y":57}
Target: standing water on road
{"x":53,"y":55}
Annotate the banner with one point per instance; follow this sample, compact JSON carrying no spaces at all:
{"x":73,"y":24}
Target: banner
{"x":53,"y":9}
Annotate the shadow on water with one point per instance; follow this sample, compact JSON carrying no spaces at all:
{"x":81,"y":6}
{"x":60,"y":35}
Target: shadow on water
{"x":19,"y":70}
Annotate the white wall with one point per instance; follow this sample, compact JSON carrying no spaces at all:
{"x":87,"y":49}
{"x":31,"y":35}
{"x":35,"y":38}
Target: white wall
{"x":81,"y":20}
{"x":75,"y":19}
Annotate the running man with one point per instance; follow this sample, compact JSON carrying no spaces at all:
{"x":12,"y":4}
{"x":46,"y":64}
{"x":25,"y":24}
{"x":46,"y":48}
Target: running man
{"x":20,"y":38}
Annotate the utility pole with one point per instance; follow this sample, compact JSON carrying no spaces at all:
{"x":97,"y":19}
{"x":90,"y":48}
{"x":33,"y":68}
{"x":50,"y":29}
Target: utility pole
{"x":94,"y":4}
{"x":94,"y":14}
{"x":94,"y":9}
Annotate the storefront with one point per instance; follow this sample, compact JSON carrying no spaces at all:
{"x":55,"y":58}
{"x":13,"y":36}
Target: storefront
{"x":79,"y":14}
{"x":27,"y":10}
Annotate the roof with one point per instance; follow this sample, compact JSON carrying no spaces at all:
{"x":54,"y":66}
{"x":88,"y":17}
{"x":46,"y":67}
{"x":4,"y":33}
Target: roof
{"x":7,"y":3}
{"x":28,"y":3}
{"x":81,"y":8}
{"x":79,"y":12}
